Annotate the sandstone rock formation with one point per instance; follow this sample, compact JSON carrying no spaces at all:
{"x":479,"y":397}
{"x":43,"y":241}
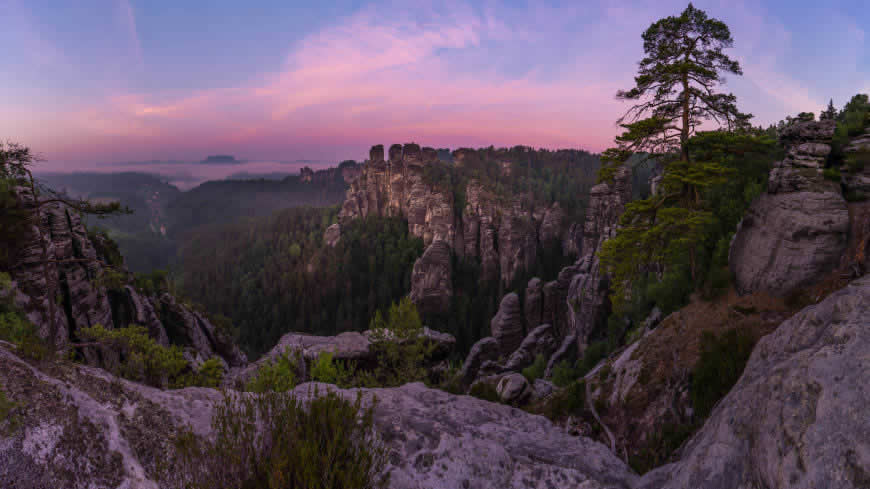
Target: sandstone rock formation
{"x":504,"y":234}
{"x":858,"y":180}
{"x":485,"y":350}
{"x":74,"y":271}
{"x":507,"y":325}
{"x":797,"y":418}
{"x":431,"y":284}
{"x":796,"y":232}
{"x":534,"y":303}
{"x":83,"y":428}
{"x":332,"y":235}
{"x":540,"y":341}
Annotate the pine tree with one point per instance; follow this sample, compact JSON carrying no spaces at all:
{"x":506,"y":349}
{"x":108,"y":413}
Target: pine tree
{"x":829,"y":113}
{"x":675,"y":88}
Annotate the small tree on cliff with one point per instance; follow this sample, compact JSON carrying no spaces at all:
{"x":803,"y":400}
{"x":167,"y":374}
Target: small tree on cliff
{"x":675,"y":89}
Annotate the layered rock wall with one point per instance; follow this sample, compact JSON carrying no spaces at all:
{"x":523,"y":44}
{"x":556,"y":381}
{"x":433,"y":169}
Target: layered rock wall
{"x":57,"y":274}
{"x":796,"y":232}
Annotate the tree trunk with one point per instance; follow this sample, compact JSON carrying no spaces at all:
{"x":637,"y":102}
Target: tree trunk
{"x":684,"y":133}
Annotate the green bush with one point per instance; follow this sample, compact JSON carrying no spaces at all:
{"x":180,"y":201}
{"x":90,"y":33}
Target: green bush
{"x":401,"y":348}
{"x":153,"y":283}
{"x":721,"y":363}
{"x":274,"y":441}
{"x":564,"y":373}
{"x":832,"y":174}
{"x":593,"y":354}
{"x":570,"y":401}
{"x":143,"y":359}
{"x":276,"y":375}
{"x":327,"y":370}
{"x":485,"y":391}
{"x":209,"y":374}
{"x":535,"y":370}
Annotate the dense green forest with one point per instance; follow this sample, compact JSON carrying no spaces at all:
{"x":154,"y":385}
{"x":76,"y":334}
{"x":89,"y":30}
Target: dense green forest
{"x":274,"y":275}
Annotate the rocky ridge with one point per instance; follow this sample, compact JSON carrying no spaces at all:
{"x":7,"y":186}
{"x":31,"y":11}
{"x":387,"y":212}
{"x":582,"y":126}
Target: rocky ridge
{"x":57,"y":258}
{"x":504,"y":235}
{"x":572,"y":306}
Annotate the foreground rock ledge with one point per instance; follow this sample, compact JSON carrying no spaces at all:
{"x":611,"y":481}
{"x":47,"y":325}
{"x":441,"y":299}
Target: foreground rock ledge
{"x":798,"y":417}
{"x":83,"y":428}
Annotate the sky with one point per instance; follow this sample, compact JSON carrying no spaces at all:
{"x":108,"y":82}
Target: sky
{"x":90,"y":83}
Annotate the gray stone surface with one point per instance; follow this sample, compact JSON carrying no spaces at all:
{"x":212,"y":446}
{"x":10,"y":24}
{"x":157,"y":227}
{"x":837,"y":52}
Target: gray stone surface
{"x":431,"y":284}
{"x":85,"y":429}
{"x":795,"y":233}
{"x":534,"y":303}
{"x":513,"y":388}
{"x":332,"y":235}
{"x":798,"y":417}
{"x":540,"y":341}
{"x":485,"y":350}
{"x":507,"y":325}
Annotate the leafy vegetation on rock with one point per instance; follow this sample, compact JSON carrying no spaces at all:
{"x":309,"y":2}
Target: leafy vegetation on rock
{"x":277,"y":441}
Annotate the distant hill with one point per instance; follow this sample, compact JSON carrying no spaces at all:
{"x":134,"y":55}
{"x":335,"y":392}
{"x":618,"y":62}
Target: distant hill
{"x":221,"y":160}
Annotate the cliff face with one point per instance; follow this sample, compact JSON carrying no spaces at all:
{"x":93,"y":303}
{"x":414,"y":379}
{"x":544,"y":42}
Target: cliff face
{"x":797,"y":231}
{"x":574,"y":304}
{"x":56,"y":271}
{"x":503,"y":234}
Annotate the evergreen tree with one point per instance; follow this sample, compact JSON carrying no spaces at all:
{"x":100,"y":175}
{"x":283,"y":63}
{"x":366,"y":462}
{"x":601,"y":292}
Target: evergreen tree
{"x":675,"y":89}
{"x":829,"y":113}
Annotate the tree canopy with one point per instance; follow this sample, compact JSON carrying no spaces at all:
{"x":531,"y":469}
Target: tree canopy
{"x":675,"y":88}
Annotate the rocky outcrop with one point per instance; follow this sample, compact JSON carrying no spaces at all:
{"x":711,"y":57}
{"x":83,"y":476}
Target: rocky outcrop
{"x":534,"y":303}
{"x":507,"y":325}
{"x":485,"y":350}
{"x":332,"y":235}
{"x":586,"y":303}
{"x":502,"y":233}
{"x":57,"y":259}
{"x":856,"y":178}
{"x":540,"y":341}
{"x":83,"y":428}
{"x":431,"y":284}
{"x":797,"y":417}
{"x":795,"y":232}
{"x":348,"y":346}
{"x":396,"y":187}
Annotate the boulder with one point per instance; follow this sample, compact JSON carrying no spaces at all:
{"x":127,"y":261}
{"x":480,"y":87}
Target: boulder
{"x":507,"y":325}
{"x":513,"y":388}
{"x":540,"y":341}
{"x":797,"y":417}
{"x":542,"y":389}
{"x":431,"y":284}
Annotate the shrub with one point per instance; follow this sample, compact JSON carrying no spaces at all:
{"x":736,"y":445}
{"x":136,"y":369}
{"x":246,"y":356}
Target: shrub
{"x":662,"y":444}
{"x":564,"y":373}
{"x":209,"y":374}
{"x":275,"y":441}
{"x":535,"y":370}
{"x":143,"y":359}
{"x":152,"y":283}
{"x":485,"y":391}
{"x":400,"y":347}
{"x":721,"y":363}
{"x":593,"y":354}
{"x":832,"y":174}
{"x":325,"y":369}
{"x":276,"y":375}
{"x":570,"y":401}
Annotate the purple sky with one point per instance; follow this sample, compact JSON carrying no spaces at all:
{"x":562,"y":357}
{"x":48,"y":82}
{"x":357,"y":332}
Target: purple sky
{"x":100,"y":81}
